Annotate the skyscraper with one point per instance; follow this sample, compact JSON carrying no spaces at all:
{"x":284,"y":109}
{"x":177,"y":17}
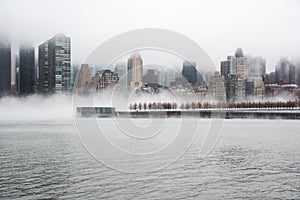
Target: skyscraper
{"x":135,"y":71}
{"x":227,"y":66}
{"x":216,"y":87}
{"x":84,"y":79}
{"x":235,"y":88}
{"x":241,"y":68}
{"x":5,"y":67}
{"x":189,"y":72}
{"x":55,"y":65}
{"x":256,"y":66}
{"x":27,"y":73}
{"x":150,"y":76}
{"x":285,"y":72}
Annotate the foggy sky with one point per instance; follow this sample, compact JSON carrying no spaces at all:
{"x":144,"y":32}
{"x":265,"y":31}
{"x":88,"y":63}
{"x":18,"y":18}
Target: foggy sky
{"x":262,"y":28}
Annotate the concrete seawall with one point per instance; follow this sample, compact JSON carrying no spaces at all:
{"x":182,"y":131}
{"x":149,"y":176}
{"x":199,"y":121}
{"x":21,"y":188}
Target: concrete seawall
{"x":228,"y":114}
{"x":110,"y":112}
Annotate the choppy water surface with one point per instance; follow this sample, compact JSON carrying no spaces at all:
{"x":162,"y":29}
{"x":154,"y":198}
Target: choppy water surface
{"x":254,"y":159}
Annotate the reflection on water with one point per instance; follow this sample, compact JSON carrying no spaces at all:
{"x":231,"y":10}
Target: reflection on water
{"x":253,"y":160}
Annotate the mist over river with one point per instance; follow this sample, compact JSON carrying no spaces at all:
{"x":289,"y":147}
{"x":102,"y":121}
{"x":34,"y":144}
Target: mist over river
{"x":253,"y":159}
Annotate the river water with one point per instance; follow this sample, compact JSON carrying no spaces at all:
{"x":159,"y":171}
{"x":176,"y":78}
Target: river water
{"x":253,"y":159}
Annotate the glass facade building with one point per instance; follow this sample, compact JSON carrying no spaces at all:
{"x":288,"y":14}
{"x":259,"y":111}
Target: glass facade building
{"x":27,"y":72}
{"x":55,"y":65}
{"x":5,"y":67}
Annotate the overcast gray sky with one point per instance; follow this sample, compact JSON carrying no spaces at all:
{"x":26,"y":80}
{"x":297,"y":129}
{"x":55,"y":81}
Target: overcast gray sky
{"x":267,"y":28}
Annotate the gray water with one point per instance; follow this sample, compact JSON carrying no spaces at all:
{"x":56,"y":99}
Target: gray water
{"x":253,"y":159}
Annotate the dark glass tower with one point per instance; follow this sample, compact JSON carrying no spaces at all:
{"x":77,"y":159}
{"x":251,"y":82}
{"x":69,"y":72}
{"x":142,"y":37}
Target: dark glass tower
{"x":26,"y":70}
{"x":189,"y":71}
{"x":55,"y":65}
{"x":5,"y":67}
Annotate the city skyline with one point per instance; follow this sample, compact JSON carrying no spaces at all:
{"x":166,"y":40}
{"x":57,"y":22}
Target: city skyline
{"x":272,"y":32}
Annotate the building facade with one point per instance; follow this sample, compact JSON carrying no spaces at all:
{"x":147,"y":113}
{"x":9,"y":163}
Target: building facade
{"x":135,"y":71}
{"x":189,"y":72}
{"x":150,"y":76}
{"x":27,"y":70}
{"x":105,"y":79}
{"x":84,"y":79}
{"x":5,"y":67}
{"x":235,"y":88}
{"x":216,"y":87}
{"x":256,"y":66}
{"x":285,"y":72}
{"x":55,"y":65}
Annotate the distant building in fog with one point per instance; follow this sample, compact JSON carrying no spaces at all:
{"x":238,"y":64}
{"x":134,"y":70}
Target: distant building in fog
{"x":254,"y":87}
{"x":216,"y":87}
{"x":5,"y":67}
{"x":74,"y":72}
{"x":55,"y":65}
{"x":84,"y":79}
{"x":150,"y":76}
{"x":135,"y":71}
{"x":189,"y":71}
{"x":27,"y":72}
{"x":121,"y":70}
{"x":285,"y":72}
{"x":235,"y":88}
{"x":256,"y":66}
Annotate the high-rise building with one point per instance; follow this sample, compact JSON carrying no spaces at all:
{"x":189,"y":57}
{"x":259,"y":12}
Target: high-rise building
{"x":256,"y":66}
{"x":120,"y":69}
{"x":240,"y":67}
{"x":236,"y":64}
{"x":27,"y":72}
{"x":254,"y":88}
{"x":285,"y":72}
{"x":135,"y":71}
{"x":5,"y":67}
{"x":189,"y":72}
{"x":227,"y":66}
{"x":84,"y":79}
{"x":216,"y":87}
{"x":235,"y":88}
{"x":105,"y":79}
{"x":150,"y":76}
{"x":55,"y":65}
{"x":74,"y":72}
{"x":298,"y":74}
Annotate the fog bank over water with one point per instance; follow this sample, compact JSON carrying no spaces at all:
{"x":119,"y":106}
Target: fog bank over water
{"x":60,"y":107}
{"x":35,"y":107}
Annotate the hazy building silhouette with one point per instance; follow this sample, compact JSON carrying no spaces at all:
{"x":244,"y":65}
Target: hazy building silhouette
{"x":235,"y":88}
{"x":27,"y":72}
{"x":216,"y":87}
{"x":150,"y":76}
{"x":84,"y":79}
{"x":74,"y":72}
{"x":55,"y":65}
{"x":5,"y":67}
{"x":254,"y":88}
{"x":121,"y":70}
{"x":256,"y":66}
{"x":285,"y":72}
{"x":135,"y":71}
{"x":189,"y":72}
